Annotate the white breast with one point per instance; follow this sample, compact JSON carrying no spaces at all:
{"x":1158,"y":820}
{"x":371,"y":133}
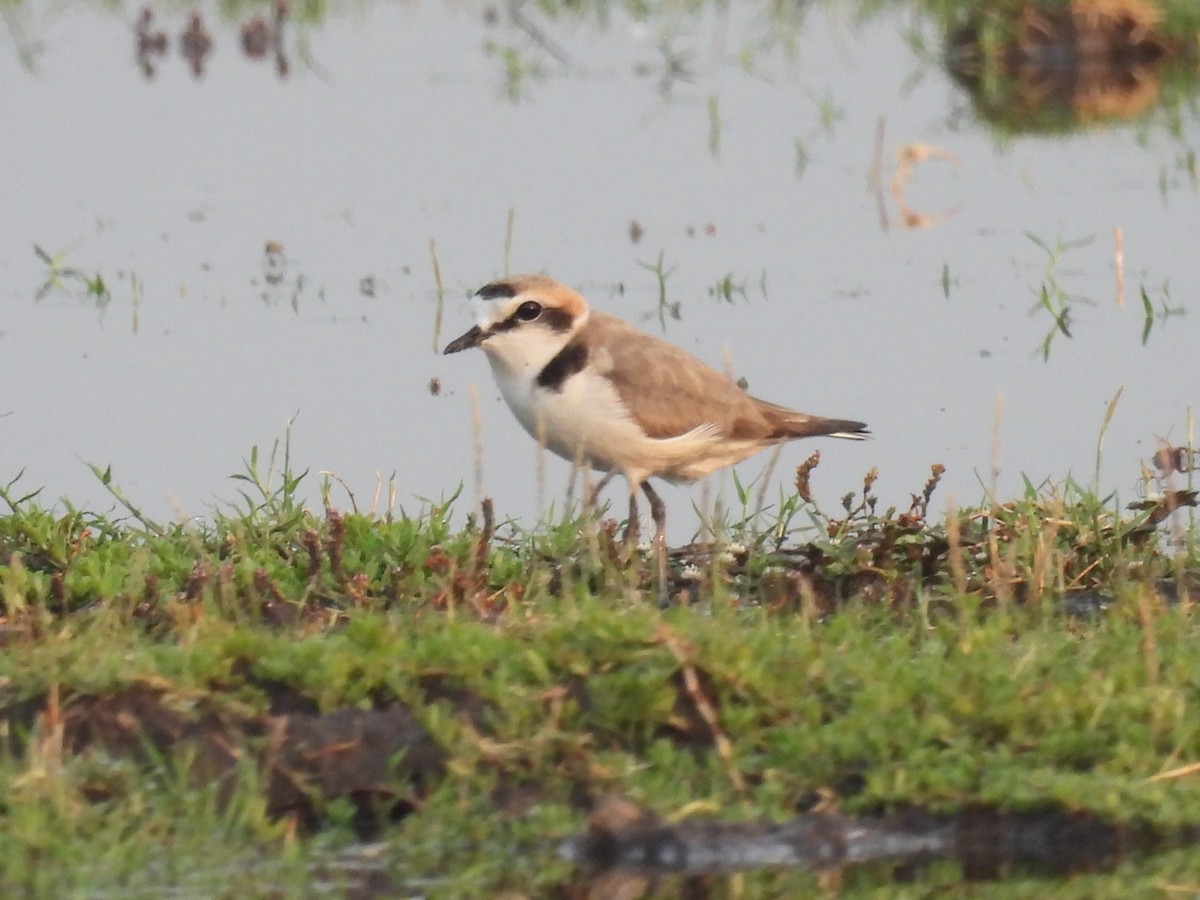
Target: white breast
{"x":586,"y":423}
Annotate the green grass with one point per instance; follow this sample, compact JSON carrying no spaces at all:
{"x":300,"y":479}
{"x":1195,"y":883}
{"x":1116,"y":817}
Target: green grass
{"x":926,"y":661}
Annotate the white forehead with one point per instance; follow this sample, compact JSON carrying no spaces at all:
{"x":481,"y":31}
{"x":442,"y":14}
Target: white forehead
{"x":490,"y":310}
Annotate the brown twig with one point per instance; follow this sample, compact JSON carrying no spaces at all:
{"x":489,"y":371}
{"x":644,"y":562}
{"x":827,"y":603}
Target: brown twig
{"x":682,"y":652}
{"x":336,"y":543}
{"x":958,"y":571}
{"x":1177,"y":772}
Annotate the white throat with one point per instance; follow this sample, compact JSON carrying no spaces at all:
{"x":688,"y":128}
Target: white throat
{"x":521,"y":352}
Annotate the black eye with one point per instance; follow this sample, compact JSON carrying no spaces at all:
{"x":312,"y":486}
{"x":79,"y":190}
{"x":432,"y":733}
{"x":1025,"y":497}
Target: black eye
{"x":529,"y":310}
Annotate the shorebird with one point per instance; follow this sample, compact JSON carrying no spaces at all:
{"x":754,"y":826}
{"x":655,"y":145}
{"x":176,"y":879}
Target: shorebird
{"x":600,"y":393}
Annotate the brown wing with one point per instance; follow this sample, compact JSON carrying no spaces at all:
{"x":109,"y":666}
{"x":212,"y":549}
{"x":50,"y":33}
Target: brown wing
{"x":673,"y":391}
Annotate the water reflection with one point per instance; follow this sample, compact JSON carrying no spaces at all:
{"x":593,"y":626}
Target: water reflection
{"x":1046,"y":68}
{"x":151,"y":43}
{"x":196,"y":44}
{"x":1053,"y":67}
{"x":260,"y":37}
{"x":629,"y":852}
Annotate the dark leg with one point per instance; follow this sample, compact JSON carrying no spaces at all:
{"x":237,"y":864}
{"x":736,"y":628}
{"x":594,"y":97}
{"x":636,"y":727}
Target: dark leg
{"x":633,"y":527}
{"x":658,"y":512}
{"x":594,"y":494}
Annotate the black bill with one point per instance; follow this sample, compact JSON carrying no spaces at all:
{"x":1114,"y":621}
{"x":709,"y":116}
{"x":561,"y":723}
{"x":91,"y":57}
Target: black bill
{"x":472,"y":338}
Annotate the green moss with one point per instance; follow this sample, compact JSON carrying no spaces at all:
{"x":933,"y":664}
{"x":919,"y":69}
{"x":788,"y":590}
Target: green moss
{"x":894,"y":660}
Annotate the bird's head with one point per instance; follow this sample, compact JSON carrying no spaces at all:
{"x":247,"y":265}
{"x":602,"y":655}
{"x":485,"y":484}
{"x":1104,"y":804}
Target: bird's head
{"x":523,"y":322}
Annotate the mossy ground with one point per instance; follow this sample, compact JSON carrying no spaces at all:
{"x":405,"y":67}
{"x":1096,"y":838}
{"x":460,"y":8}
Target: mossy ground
{"x":173,"y":695}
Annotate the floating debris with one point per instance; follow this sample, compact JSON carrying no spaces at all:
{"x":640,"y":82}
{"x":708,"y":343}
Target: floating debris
{"x":274,"y":262}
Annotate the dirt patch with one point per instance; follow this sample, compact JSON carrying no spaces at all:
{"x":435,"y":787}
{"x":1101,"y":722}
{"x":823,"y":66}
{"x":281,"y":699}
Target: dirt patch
{"x":382,"y":759}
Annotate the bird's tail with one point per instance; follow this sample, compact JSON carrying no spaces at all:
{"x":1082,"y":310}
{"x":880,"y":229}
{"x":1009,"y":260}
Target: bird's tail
{"x":815,"y":426}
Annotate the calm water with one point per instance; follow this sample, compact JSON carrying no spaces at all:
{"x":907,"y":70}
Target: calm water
{"x":743,"y":148}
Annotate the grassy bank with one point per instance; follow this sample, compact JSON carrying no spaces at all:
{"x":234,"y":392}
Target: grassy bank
{"x":224,"y":708}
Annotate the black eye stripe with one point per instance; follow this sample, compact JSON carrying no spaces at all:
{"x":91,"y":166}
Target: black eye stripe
{"x":507,"y":324}
{"x":557,"y":319}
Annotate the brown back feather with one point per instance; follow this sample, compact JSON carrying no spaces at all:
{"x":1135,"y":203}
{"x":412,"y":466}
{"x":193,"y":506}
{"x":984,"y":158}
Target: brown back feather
{"x":670,"y":388}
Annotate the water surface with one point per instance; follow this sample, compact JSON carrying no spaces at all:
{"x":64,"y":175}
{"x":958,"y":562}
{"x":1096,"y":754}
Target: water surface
{"x":754,"y":154}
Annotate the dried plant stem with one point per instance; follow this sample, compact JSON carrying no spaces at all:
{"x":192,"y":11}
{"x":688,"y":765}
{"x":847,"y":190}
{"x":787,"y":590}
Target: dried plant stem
{"x":704,"y":705}
{"x":1119,"y":264}
{"x":875,"y":173}
{"x":441,"y":296}
{"x":477,"y":432}
{"x":508,"y":239}
{"x":954,"y":538}
{"x":997,"y":420}
{"x":765,"y":479}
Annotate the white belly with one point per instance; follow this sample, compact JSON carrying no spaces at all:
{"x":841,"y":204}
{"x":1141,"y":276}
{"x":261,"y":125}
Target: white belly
{"x":586,"y":424}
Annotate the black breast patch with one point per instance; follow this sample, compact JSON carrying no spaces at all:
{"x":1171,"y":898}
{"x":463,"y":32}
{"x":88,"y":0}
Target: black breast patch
{"x":567,"y":362}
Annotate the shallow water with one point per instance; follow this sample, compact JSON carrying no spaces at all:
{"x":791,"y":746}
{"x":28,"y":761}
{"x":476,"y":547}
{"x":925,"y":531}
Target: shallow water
{"x":397,"y":127}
